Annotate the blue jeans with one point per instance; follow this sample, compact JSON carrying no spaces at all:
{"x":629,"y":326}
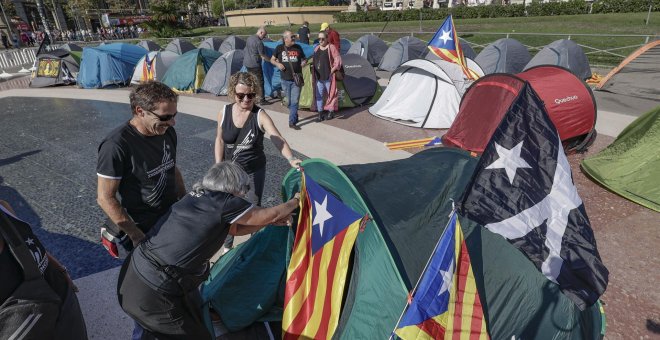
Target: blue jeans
{"x":293,"y":94}
{"x":322,"y":87}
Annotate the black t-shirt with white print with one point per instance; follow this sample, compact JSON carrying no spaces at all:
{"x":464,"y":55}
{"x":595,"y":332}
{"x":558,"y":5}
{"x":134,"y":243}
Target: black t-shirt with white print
{"x":188,"y":236}
{"x":295,"y":55}
{"x":146,"y":166}
{"x":245,"y":145}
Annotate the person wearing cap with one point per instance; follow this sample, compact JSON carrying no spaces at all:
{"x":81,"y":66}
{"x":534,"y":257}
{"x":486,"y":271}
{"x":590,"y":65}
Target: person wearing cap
{"x":333,"y":35}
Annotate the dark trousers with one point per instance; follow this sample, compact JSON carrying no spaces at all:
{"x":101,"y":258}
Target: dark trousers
{"x":162,"y":316}
{"x":260,"y":76}
{"x":253,"y":196}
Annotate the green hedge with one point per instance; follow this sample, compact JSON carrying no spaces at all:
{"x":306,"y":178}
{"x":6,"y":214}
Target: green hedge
{"x":496,"y":11}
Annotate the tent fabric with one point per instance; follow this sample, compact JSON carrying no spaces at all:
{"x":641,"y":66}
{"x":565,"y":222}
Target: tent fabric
{"x":344,"y":45}
{"x":179,"y":46}
{"x":109,"y":65}
{"x":158,"y":62}
{"x":149,"y":45}
{"x":231,"y":43}
{"x":630,"y":166}
{"x":217,"y":79}
{"x":71,"y":47}
{"x":568,"y":100}
{"x":369,"y":47}
{"x":565,"y":53}
{"x":212,"y":43}
{"x":187,"y":73}
{"x":359,"y":87}
{"x":402,"y":50}
{"x":390,"y":254}
{"x":54,"y":68}
{"x":438,"y":86}
{"x":503,"y":56}
{"x":638,"y":75}
{"x":468,"y":52}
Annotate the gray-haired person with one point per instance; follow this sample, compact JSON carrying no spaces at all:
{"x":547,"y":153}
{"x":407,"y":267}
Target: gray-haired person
{"x":254,"y":54}
{"x":158,"y":284}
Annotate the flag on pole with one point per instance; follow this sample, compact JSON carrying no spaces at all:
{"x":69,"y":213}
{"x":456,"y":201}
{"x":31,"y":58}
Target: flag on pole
{"x":446,"y":46}
{"x":316,"y":276}
{"x":523,"y":189}
{"x":446,"y":303}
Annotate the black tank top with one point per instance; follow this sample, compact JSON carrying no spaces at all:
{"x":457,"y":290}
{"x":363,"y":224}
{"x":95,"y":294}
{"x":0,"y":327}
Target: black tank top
{"x":244,"y":146}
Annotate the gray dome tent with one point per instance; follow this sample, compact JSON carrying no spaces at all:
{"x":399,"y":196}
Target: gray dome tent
{"x":564,"y":53}
{"x":56,"y":67}
{"x":402,"y":50}
{"x":468,"y":52}
{"x":179,"y":46}
{"x":360,"y":82}
{"x":232,"y":42}
{"x":344,"y":45}
{"x":503,"y":56}
{"x":212,"y":43}
{"x":71,"y":47}
{"x":369,"y":47}
{"x":149,"y":45}
{"x":217,"y":78}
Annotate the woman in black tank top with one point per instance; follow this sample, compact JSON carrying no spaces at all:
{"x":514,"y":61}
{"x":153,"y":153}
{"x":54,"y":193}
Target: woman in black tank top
{"x":241,"y":129}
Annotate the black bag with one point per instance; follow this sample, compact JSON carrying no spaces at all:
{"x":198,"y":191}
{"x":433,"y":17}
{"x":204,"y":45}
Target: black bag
{"x":297,"y":77}
{"x":32,"y":311}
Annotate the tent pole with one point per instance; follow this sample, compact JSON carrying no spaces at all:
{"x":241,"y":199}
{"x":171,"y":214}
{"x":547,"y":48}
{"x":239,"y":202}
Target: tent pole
{"x":648,"y":15}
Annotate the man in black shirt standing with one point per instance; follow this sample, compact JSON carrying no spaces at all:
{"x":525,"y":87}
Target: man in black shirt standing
{"x":303,"y":33}
{"x":290,"y":59}
{"x":138,"y":161}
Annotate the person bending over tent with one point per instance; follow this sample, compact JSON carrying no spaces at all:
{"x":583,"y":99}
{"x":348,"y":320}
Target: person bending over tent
{"x":327,"y":62}
{"x":158,"y":284}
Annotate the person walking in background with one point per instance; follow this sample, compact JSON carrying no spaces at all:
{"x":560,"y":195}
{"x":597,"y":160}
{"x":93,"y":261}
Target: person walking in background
{"x":240,"y":137}
{"x":253,"y":55}
{"x":327,"y":62}
{"x":5,"y":41}
{"x":303,"y":33}
{"x":290,"y":59}
{"x":333,"y":35}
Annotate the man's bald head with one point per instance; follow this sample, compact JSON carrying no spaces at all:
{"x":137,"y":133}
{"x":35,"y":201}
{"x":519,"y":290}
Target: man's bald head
{"x":261,"y":32}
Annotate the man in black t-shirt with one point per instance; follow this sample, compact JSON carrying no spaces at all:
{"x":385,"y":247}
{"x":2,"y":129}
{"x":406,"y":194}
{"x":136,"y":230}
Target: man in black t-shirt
{"x":303,"y":33}
{"x":138,"y":161}
{"x":289,"y":58}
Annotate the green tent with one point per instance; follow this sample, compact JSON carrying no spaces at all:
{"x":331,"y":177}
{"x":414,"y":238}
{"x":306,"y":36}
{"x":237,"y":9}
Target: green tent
{"x":630,"y":166}
{"x":187,"y":73}
{"x":409,"y":202}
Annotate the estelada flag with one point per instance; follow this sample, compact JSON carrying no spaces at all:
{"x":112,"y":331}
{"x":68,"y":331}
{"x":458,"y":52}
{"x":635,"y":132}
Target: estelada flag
{"x":446,"y":304}
{"x":446,"y":46}
{"x":316,"y":276}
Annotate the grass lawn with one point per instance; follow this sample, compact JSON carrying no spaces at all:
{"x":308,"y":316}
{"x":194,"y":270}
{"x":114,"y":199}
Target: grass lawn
{"x":535,"y":32}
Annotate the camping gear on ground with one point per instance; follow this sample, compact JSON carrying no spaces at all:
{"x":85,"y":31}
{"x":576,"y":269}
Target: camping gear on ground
{"x":369,"y":47}
{"x":109,"y":65}
{"x":231,"y":43}
{"x":565,"y":53}
{"x":630,"y":166}
{"x":153,"y":66}
{"x":359,"y":87}
{"x":414,"y":143}
{"x":57,"y":67}
{"x":568,"y":100}
{"x":438,"y":87}
{"x":179,"y":46}
{"x":402,"y":50}
{"x":71,"y":47}
{"x":468,"y":52}
{"x":246,"y":285}
{"x":212,"y":43}
{"x":149,"y":45}
{"x":503,"y":56}
{"x":638,"y":75}
{"x":217,"y":78}
{"x":187,"y":73}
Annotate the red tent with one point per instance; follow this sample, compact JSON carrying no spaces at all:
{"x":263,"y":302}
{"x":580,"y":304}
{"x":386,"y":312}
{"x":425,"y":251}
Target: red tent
{"x":568,"y":100}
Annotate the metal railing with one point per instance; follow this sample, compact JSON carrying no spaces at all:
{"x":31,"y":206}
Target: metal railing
{"x":17,"y":58}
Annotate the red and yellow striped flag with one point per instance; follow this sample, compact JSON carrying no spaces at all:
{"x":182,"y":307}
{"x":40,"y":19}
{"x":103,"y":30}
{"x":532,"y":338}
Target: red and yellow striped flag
{"x":316,"y":276}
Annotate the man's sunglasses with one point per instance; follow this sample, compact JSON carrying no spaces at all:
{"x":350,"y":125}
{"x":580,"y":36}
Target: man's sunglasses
{"x":243,"y":95}
{"x":164,"y":118}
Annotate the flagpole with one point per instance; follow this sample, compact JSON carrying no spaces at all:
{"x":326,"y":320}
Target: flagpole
{"x":412,"y":293}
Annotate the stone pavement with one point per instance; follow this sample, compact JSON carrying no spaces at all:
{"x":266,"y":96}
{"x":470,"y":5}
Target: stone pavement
{"x":48,"y":140}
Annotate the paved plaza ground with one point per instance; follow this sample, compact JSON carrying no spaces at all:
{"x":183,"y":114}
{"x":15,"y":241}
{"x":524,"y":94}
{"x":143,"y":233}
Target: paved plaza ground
{"x":48,"y":144}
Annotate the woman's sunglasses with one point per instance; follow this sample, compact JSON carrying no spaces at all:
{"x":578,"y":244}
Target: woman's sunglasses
{"x":164,"y":118}
{"x":321,"y":39}
{"x":243,"y":95}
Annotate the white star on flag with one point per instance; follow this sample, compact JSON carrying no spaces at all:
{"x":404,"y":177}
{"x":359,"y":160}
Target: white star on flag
{"x":29,"y":241}
{"x":322,"y":214}
{"x":447,"y":278}
{"x":509,"y":160}
{"x":445,"y":36}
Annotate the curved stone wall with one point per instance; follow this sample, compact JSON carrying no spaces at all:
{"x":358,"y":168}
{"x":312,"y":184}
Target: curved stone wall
{"x":315,"y":15}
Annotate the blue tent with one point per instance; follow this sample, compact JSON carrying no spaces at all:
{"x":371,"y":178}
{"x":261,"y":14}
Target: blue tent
{"x":271,"y":73}
{"x":108,"y":65}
